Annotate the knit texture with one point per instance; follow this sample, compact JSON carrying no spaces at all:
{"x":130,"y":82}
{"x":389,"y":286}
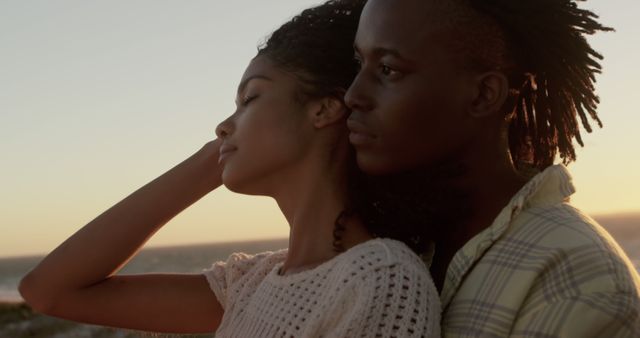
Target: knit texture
{"x":378,"y":288}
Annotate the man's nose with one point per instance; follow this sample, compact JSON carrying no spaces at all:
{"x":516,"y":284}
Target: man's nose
{"x":357,"y":97}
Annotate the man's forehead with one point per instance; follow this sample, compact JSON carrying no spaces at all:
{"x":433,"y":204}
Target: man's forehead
{"x":419,"y":14}
{"x":401,"y":25}
{"x":402,"y":16}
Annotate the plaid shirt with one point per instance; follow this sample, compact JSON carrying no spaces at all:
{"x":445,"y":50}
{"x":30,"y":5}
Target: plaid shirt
{"x":542,"y":269}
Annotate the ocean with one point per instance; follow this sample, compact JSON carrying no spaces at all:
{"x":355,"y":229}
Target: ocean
{"x":193,"y":258}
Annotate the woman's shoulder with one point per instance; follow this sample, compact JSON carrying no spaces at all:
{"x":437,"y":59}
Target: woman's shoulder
{"x":238,"y":268}
{"x":266,"y":257}
{"x":377,"y":253}
{"x":239,"y":264}
{"x":395,"y":281}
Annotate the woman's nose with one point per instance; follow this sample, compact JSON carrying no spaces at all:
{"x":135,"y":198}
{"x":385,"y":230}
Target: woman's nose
{"x":225,"y":128}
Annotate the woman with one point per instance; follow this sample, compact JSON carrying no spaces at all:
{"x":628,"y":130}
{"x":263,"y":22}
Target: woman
{"x":287,"y":139}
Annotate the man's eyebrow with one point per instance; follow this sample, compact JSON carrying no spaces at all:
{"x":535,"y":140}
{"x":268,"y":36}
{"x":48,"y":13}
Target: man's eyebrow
{"x":382,"y":51}
{"x":244,"y":82}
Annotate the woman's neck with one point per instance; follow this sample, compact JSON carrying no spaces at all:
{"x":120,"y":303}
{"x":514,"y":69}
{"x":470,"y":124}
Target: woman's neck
{"x":311,"y":203}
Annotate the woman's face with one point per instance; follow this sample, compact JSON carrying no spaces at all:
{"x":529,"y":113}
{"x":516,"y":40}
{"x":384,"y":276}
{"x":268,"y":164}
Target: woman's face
{"x":268,"y":133}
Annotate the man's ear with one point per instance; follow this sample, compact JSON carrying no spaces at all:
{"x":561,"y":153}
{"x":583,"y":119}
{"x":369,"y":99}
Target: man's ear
{"x":492,"y":90}
{"x":327,"y":111}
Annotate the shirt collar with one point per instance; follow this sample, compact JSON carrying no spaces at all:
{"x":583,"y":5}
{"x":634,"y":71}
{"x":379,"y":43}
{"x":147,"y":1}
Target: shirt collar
{"x":551,"y":186}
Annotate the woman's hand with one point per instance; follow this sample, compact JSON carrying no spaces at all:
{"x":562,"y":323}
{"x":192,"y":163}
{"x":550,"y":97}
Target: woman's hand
{"x":209,"y":154}
{"x":76,"y":280}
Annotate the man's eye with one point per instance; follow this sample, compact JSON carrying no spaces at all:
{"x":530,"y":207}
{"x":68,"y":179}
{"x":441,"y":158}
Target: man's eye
{"x":389,"y":73}
{"x":386,"y":70}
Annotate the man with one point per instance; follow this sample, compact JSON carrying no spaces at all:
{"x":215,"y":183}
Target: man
{"x":497,"y":88}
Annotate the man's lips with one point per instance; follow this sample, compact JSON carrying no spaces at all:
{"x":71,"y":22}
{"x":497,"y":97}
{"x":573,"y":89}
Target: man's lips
{"x":359,"y":135}
{"x":225,"y":151}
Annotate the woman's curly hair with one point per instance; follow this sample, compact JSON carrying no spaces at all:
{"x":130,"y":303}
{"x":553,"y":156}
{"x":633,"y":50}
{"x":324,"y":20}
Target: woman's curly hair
{"x":317,"y":46}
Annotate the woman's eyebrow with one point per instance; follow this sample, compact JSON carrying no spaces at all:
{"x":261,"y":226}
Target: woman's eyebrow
{"x":244,"y":82}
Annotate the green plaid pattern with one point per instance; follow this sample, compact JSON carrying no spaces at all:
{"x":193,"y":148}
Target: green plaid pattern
{"x":542,"y":269}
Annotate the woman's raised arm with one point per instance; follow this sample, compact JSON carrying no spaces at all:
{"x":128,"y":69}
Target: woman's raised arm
{"x":77,"y":280}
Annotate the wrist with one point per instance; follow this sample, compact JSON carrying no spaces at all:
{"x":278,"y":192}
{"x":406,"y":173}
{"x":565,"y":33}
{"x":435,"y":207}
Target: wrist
{"x":207,"y":159}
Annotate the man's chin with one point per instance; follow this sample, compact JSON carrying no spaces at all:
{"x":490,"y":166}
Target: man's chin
{"x":375,"y":165}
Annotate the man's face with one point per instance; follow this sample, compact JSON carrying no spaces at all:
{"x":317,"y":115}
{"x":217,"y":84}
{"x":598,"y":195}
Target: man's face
{"x":409,"y":99}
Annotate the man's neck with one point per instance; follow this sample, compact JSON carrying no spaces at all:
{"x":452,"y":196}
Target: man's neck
{"x":489,"y":188}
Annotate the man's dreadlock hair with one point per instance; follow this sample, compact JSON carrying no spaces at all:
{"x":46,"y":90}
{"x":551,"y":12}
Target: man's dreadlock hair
{"x":541,"y":46}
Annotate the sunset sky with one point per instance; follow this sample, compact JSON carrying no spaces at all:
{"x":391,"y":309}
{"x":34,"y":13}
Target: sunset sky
{"x":99,"y":97}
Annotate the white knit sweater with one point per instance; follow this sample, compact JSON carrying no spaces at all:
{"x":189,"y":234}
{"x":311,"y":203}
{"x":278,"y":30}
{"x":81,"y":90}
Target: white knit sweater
{"x":378,"y":288}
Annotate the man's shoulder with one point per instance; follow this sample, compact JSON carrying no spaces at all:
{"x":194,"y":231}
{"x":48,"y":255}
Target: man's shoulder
{"x":559,"y":225}
{"x":553,"y":262}
{"x":561,"y":239}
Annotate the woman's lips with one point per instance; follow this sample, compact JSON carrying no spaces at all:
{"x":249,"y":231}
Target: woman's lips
{"x":359,"y":135}
{"x":225,"y":151}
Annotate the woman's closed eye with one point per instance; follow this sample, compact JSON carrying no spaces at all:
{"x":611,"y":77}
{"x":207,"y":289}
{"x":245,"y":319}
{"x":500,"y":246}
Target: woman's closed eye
{"x":247,"y":99}
{"x":358,"y":61}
